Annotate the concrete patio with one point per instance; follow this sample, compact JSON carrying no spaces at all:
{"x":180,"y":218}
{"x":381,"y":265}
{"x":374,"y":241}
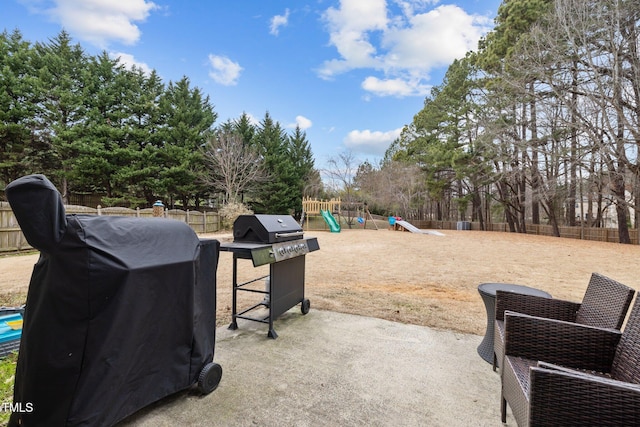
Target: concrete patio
{"x":333,"y":369}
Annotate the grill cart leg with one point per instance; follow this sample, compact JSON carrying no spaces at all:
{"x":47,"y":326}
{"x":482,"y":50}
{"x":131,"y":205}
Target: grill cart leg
{"x":272,"y":332}
{"x":234,"y":323}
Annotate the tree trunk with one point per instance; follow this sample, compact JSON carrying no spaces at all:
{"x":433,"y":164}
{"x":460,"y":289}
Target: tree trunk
{"x":535,"y":181}
{"x":573,"y":167}
{"x":621,"y":207}
{"x":65,"y":191}
{"x":476,"y":203}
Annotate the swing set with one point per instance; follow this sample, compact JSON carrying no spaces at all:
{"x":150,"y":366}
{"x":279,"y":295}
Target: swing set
{"x":315,"y":208}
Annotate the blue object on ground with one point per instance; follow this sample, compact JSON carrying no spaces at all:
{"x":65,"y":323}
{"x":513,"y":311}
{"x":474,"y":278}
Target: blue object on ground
{"x":10,"y":333}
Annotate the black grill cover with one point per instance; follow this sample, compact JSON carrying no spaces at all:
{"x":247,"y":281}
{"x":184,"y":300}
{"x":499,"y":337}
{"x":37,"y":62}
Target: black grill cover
{"x":120,"y":311}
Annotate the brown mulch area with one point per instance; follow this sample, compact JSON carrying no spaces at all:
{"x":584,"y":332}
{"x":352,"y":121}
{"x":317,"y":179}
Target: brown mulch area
{"x":421,"y":279}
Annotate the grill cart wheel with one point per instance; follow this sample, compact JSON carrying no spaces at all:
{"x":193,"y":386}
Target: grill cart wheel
{"x":209,"y":378}
{"x":305,"y":306}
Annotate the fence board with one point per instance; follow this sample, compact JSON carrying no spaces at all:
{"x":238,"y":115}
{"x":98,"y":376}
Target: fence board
{"x":12,"y":239}
{"x":609,"y":235}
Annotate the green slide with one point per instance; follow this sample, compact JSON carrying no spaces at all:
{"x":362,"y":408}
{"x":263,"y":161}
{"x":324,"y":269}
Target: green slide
{"x":329,"y":219}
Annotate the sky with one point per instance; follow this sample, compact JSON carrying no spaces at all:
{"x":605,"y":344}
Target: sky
{"x":350,"y":73}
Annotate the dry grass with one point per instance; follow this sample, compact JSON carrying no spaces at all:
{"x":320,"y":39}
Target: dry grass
{"x":432,"y":280}
{"x":418,"y":278}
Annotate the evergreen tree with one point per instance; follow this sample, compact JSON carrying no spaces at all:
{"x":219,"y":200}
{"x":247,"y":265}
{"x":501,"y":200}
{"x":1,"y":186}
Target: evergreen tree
{"x":137,"y":178}
{"x":515,"y":18}
{"x":18,"y":86}
{"x":245,"y":129}
{"x":98,"y":149}
{"x":189,"y":118}
{"x":61,"y":69}
{"x":303,"y":163}
{"x":278,"y":194}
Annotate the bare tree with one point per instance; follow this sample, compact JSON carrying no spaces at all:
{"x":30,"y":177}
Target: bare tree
{"x":233,"y":167}
{"x":404,"y":185}
{"x":597,"y":42}
{"x":341,"y":173}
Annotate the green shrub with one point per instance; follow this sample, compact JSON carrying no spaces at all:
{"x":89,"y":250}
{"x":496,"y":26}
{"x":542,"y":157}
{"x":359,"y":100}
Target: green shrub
{"x":7,"y":376}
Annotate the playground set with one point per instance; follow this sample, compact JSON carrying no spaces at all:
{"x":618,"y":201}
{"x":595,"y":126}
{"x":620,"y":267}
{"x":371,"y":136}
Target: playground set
{"x":331,"y":213}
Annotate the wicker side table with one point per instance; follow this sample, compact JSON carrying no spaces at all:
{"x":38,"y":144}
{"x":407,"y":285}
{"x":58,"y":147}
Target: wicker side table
{"x":488,"y":293}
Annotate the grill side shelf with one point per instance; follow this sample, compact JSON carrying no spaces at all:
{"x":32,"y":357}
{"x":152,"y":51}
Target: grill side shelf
{"x":262,"y":256}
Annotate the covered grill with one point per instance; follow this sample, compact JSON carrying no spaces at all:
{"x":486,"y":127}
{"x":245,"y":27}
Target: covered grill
{"x":120,"y":312}
{"x":277,"y":240}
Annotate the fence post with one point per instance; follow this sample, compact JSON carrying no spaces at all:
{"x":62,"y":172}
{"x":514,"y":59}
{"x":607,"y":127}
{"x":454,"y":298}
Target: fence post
{"x":158,"y":209}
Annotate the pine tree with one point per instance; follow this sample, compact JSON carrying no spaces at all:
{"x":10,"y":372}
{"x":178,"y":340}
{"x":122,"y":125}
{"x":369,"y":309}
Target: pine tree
{"x":277,"y":194}
{"x":303,"y":163}
{"x":18,"y":86}
{"x":189,"y":118}
{"x":61,"y":69}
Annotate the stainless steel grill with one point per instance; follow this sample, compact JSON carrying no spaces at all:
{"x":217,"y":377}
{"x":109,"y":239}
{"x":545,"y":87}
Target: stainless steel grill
{"x":277,"y":240}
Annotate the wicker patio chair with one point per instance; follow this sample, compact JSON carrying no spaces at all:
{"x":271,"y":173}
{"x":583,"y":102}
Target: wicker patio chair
{"x":562,"y":373}
{"x":604,"y":305}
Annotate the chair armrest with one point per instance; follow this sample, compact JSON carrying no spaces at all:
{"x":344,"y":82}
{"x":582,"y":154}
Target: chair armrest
{"x":550,"y":308}
{"x":560,"y":397}
{"x":563,"y":343}
{"x":575,"y":371}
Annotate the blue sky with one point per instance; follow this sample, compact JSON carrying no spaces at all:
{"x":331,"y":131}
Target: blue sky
{"x":351,"y":73}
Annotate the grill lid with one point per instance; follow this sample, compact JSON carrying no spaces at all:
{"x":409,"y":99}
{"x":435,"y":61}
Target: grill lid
{"x":266,"y":229}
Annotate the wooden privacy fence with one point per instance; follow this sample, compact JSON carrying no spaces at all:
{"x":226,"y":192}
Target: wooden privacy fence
{"x":12,"y":239}
{"x":609,"y":235}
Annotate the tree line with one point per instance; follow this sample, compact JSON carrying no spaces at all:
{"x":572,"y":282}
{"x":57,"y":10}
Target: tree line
{"x":538,"y":125}
{"x":93,"y":125}
{"x":541,"y":124}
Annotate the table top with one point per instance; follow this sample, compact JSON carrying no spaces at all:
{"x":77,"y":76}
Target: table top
{"x":491,"y":288}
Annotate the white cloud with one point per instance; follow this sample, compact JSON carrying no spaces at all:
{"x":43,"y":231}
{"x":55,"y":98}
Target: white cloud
{"x":395,"y":87}
{"x":302,"y":122}
{"x":350,"y":28}
{"x":368,"y":142}
{"x":129,"y":62}
{"x":403,"y":48}
{"x":100,"y":21}
{"x":279,"y":21}
{"x":223,"y":70}
{"x":409,"y":7}
{"x":433,"y":39}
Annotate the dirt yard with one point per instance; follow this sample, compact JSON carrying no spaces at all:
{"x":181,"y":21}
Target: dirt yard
{"x":414,"y":278}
